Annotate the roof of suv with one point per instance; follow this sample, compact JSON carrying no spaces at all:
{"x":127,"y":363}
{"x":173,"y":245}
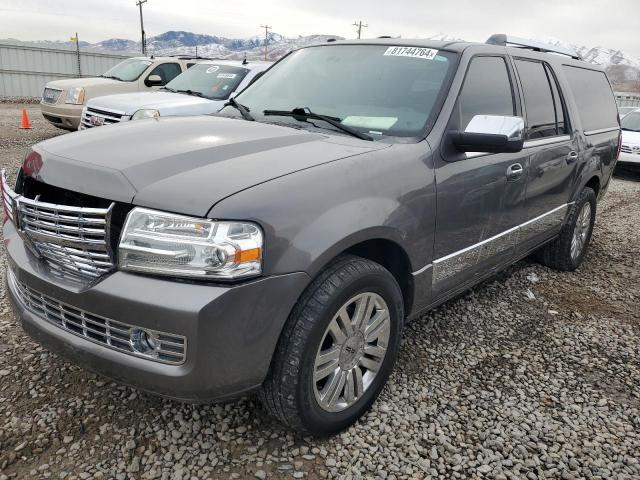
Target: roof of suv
{"x":458,"y":46}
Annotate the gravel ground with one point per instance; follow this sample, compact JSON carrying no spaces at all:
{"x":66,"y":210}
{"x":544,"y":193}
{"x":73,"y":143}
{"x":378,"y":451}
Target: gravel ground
{"x":535,"y":374}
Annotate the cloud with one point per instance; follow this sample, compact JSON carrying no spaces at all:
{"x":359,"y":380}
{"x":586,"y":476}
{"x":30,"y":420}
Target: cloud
{"x":608,"y":23}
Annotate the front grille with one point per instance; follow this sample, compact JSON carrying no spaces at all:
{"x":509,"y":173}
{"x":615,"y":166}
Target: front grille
{"x":630,"y":149}
{"x":74,"y":239}
{"x":51,"y":95}
{"x":115,"y":335}
{"x":94,"y":117}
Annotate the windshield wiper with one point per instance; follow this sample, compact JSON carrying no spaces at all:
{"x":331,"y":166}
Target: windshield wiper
{"x":168,"y":89}
{"x":304,"y":114}
{"x":192,"y":92}
{"x":111,"y":77}
{"x":244,"y":111}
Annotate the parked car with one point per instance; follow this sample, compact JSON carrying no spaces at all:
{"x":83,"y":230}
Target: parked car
{"x":204,"y":88}
{"x":626,"y":110}
{"x":630,"y":149}
{"x":62,"y":100}
{"x":282,"y":244}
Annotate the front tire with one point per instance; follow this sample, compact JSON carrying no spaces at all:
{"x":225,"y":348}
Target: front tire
{"x":337,"y":349}
{"x":567,"y":252}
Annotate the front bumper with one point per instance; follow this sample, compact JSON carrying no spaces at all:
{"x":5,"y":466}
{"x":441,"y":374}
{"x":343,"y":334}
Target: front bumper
{"x":62,"y":115}
{"x":629,"y":158}
{"x":231,"y":331}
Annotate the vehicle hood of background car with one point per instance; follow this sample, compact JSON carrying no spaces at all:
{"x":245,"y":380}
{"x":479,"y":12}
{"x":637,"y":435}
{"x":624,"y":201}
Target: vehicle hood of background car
{"x":188,"y":163}
{"x":165,"y":102}
{"x":94,"y":85}
{"x":629,"y":137}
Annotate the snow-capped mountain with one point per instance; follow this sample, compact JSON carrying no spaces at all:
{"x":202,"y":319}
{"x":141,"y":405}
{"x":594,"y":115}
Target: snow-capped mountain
{"x":620,"y":66}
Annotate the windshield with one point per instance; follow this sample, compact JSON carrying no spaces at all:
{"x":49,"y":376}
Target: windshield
{"x":128,"y":70}
{"x":378,"y":89}
{"x":631,"y":122}
{"x":211,"y":81}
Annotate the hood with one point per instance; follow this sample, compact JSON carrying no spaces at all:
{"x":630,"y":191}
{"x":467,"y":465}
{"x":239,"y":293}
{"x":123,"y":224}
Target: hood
{"x":185,"y":164}
{"x":630,"y":137}
{"x":83,"y":82}
{"x":163,"y":101}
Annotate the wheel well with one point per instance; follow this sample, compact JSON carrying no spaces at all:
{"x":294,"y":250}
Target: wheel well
{"x":392,"y":257}
{"x":594,"y":184}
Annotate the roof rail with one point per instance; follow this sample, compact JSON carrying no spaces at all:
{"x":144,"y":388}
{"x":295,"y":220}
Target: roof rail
{"x":189,"y":57}
{"x":508,"y":40}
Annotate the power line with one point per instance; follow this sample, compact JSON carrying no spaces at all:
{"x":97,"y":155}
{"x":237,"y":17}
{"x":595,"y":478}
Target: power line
{"x":144,"y":37}
{"x":360,"y":26}
{"x":266,"y":38}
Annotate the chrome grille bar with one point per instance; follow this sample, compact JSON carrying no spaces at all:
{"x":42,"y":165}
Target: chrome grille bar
{"x":171,"y":349}
{"x":74,"y":239}
{"x":107,"y":117}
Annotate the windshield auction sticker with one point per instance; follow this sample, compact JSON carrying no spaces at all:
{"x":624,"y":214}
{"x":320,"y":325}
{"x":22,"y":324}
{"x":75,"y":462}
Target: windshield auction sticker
{"x":412,"y":52}
{"x":226,"y":75}
{"x":213,"y":69}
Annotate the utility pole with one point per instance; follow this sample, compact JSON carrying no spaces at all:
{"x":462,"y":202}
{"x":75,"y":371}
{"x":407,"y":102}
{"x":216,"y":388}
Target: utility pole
{"x":144,"y":37}
{"x":360,"y":26}
{"x":77,"y":40}
{"x":266,"y":38}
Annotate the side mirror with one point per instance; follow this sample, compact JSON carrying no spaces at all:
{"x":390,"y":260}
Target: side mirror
{"x":491,"y":134}
{"x":153,"y":81}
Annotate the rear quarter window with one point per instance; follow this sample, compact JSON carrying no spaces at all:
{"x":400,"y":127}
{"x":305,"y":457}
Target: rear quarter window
{"x":594,"y":98}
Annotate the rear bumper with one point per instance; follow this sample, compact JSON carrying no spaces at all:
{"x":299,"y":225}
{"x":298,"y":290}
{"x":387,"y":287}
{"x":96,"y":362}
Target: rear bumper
{"x":62,"y":115}
{"x":231,"y":331}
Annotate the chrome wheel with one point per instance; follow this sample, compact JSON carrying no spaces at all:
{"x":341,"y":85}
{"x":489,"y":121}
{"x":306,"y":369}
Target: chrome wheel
{"x":581,"y":231}
{"x":351,"y":353}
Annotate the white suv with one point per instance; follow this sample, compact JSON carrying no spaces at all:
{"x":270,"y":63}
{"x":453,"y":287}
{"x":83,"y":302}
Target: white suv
{"x":202,"y":89}
{"x":62,"y":100}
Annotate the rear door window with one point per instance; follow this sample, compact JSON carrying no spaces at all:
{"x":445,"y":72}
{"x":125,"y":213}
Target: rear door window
{"x":594,"y":98}
{"x":539,"y":101}
{"x":487,"y":90}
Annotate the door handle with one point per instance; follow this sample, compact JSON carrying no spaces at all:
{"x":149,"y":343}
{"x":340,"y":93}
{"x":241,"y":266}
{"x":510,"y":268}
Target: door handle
{"x":572,"y":157}
{"x":514,"y":172}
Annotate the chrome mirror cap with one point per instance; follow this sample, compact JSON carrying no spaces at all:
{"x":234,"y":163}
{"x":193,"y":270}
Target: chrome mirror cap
{"x":511,"y":127}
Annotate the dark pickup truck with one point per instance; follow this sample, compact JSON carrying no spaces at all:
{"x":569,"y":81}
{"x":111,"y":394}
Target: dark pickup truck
{"x":282,"y":244}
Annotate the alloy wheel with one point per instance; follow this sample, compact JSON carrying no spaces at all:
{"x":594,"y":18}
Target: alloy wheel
{"x":581,"y":231}
{"x":352,"y":351}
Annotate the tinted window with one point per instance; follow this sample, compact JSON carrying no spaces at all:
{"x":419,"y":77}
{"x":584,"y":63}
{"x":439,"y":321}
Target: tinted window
{"x":380,"y":89}
{"x":561,"y":126}
{"x":593,"y":95}
{"x":538,"y":99}
{"x":486,"y":91}
{"x":167,"y":71}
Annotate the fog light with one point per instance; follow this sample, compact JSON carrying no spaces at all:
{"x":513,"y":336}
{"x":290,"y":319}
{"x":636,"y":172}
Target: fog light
{"x":144,"y":341}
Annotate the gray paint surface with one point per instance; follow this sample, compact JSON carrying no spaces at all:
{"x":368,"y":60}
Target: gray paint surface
{"x":315,"y":194}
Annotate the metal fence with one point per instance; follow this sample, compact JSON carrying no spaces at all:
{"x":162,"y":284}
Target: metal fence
{"x":25,"y":69}
{"x":628,"y":99}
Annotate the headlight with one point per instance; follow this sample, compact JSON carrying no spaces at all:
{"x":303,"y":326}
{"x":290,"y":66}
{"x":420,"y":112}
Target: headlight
{"x":145,"y":113}
{"x":75,"y":96}
{"x":175,"y":245}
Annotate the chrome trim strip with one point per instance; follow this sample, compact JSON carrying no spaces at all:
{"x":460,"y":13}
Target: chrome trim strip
{"x":546,"y":141}
{"x":456,"y":262}
{"x":422,"y":270}
{"x":601,"y":130}
{"x":108,"y":333}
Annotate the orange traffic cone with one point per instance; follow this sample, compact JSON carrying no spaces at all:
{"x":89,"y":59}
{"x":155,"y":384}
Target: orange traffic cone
{"x":26,"y":124}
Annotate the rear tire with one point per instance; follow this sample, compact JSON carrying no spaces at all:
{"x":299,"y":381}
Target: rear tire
{"x":567,"y":252}
{"x":337,"y":348}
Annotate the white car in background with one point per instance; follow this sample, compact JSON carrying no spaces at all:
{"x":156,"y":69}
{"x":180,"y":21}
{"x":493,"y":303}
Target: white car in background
{"x":630,"y":149}
{"x":204,"y":88}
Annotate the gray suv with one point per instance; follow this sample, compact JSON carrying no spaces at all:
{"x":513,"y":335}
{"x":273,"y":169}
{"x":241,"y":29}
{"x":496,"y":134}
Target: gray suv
{"x":281,"y":245}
